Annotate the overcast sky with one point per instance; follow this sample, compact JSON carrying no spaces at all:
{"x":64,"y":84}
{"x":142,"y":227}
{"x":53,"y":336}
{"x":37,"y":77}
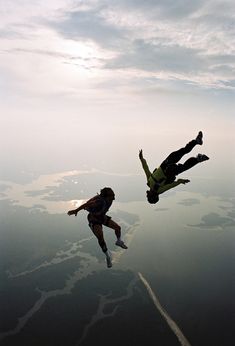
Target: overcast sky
{"x":90,"y":82}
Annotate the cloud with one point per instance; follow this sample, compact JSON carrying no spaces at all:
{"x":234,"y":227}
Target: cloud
{"x":153,"y":57}
{"x":165,"y":8}
{"x":89,"y":25}
{"x":175,"y":62}
{"x":187,"y":41}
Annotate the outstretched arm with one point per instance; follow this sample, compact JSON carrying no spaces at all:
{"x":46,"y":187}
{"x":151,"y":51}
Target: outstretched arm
{"x":75,"y":211}
{"x":144,"y":164}
{"x":174,"y":184}
{"x":89,"y":203}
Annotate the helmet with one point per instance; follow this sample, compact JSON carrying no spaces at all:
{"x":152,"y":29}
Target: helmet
{"x":152,"y":196}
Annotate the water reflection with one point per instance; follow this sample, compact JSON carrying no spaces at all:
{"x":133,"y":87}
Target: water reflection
{"x":175,"y":245}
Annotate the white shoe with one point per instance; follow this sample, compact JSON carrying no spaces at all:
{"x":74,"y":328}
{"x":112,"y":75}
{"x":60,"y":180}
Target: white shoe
{"x":109,"y":260}
{"x":121,"y":244}
{"x":202,"y":157}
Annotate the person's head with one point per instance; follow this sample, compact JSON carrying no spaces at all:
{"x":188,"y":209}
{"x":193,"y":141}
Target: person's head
{"x":107,"y":193}
{"x":152,"y":196}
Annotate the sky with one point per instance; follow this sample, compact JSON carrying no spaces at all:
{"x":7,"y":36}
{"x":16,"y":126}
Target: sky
{"x":87,"y":84}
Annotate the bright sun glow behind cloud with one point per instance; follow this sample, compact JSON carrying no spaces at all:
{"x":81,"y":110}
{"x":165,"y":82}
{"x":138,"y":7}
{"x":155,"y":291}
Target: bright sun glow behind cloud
{"x":106,"y":77}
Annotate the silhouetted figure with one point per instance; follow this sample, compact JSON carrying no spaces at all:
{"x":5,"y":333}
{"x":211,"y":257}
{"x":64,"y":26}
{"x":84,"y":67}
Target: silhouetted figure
{"x":163,"y":177}
{"x":97,"y":207}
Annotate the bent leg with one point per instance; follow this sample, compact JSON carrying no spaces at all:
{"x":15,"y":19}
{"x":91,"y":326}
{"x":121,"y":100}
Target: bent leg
{"x":175,"y":156}
{"x":117,"y":229}
{"x":192,"y":161}
{"x":98,"y":232}
{"x":111,"y":224}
